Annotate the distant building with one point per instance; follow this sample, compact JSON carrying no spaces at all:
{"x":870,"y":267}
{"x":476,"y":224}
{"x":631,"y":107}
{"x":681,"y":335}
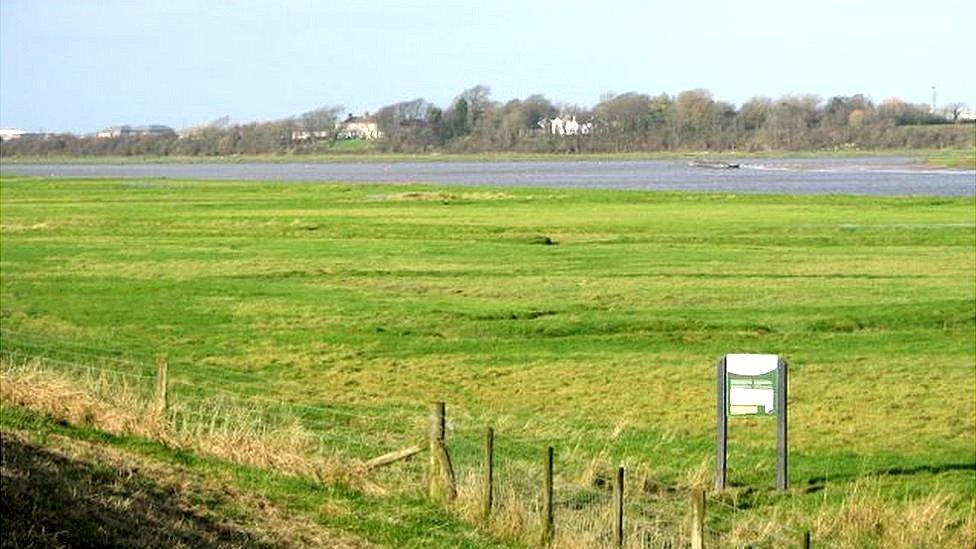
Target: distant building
{"x":565,"y":125}
{"x":967,"y":116}
{"x":114,"y":131}
{"x":132,"y":131}
{"x":359,"y":127}
{"x":307,"y":136}
{"x":11,"y":134}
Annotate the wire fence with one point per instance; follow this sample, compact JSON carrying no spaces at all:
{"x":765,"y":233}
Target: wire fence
{"x":202,"y":403}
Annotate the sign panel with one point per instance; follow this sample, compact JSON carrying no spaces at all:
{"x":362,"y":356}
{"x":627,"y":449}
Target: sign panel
{"x":751,"y":384}
{"x":752,"y":396}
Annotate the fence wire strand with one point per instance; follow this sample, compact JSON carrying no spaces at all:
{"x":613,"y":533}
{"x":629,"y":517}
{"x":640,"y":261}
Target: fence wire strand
{"x":27,"y":356}
{"x":179,"y":382}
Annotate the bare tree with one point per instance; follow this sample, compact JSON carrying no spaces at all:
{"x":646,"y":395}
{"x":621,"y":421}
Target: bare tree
{"x":478,"y":101}
{"x":322,"y":119}
{"x":955,"y":110}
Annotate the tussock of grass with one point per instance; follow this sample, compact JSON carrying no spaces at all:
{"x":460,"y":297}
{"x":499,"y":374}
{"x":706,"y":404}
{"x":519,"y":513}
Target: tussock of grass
{"x":866,"y":518}
{"x":543,"y":240}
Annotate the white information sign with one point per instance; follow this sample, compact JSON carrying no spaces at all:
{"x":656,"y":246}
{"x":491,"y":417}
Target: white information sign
{"x":751,"y":384}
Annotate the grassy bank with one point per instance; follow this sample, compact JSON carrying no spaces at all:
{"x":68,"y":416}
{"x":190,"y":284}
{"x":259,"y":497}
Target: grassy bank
{"x":588,"y":320}
{"x":79,"y":486}
{"x":960,"y":159}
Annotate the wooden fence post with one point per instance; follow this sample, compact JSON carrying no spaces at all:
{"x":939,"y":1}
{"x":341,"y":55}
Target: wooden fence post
{"x":393,"y":457}
{"x":441,"y":483}
{"x":618,"y":508}
{"x":487,"y":495}
{"x":161,"y":403}
{"x":548,"y":528}
{"x":697,"y":518}
{"x":435,"y":437}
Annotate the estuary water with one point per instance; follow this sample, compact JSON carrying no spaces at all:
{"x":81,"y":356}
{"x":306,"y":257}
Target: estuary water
{"x":883,"y":176}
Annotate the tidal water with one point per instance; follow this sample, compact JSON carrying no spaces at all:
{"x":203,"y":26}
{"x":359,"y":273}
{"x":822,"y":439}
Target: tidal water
{"x":883,"y":176}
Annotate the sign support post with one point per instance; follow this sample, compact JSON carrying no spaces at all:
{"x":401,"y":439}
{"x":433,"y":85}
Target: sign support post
{"x":782,"y":432}
{"x":722,"y":438}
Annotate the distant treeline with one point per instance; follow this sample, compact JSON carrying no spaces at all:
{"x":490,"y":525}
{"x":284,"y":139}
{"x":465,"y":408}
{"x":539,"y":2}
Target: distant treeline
{"x":631,"y":122}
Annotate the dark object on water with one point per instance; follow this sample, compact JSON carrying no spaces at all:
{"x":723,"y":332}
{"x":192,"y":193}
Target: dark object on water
{"x":713,"y":165}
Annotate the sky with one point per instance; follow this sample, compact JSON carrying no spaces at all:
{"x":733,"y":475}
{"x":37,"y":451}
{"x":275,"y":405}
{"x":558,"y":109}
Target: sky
{"x":79,"y":66}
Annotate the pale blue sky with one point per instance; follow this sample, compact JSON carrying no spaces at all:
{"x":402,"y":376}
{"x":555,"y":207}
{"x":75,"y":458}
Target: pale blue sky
{"x":78,"y":65}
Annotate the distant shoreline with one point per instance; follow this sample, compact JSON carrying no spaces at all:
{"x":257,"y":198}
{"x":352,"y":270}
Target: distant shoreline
{"x":947,"y":158}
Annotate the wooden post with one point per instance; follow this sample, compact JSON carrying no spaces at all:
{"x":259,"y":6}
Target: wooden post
{"x":441,"y":475}
{"x":618,"y":508}
{"x":161,"y":404}
{"x":486,"y":499}
{"x":782,"y":432}
{"x":548,"y":528}
{"x":697,"y":518}
{"x":436,"y":438}
{"x":448,"y":483}
{"x":393,"y":457}
{"x":806,"y":539}
{"x":722,"y":420}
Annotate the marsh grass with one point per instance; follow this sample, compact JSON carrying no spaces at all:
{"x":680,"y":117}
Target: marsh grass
{"x":344,"y":310}
{"x":961,"y":159}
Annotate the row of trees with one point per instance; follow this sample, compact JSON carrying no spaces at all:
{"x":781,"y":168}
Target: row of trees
{"x":692,"y":120}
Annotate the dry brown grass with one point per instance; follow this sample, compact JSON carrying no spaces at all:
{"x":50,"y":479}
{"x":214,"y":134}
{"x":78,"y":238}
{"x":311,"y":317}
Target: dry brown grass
{"x":124,"y":409}
{"x":65,"y":399}
{"x":867,"y":519}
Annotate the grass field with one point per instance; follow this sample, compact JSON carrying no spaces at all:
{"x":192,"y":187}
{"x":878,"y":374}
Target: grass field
{"x":589,"y":320}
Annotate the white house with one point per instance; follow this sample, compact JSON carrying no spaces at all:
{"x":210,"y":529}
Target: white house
{"x":10,"y":134}
{"x":306,"y":135}
{"x":126,"y":130}
{"x":566,"y":125}
{"x":967,"y":116}
{"x":359,"y":127}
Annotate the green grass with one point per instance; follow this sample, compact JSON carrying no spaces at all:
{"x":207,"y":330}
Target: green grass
{"x":352,"y":145}
{"x":962,"y":159}
{"x":380,"y":299}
